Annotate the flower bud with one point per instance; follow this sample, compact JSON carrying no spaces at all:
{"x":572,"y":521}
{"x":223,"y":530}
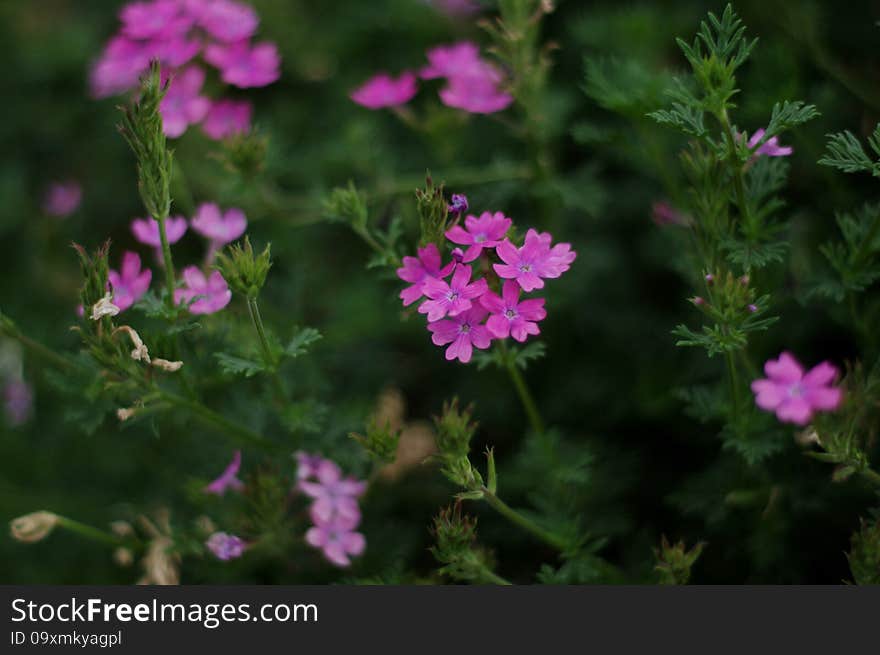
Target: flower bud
{"x":33,"y":527}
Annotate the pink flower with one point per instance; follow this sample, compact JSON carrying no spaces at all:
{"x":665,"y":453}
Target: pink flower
{"x":225,"y":546}
{"x":212,"y":292}
{"x":477,"y":91}
{"x":535,"y":260}
{"x":417,"y":269}
{"x":662,"y":213}
{"x":245,"y":66}
{"x":220,"y":228}
{"x":561,"y":255}
{"x":510,"y":317}
{"x":794,"y":395}
{"x":156,"y":19}
{"x":119,"y":66}
{"x":770,"y":148}
{"x":382,"y":90}
{"x":175,"y":51}
{"x":334,"y":497}
{"x":146,"y":230}
{"x":18,"y":401}
{"x":227,"y":118}
{"x":182,"y":105}
{"x":464,"y":332}
{"x":337,"y":540}
{"x":226,"y":20}
{"x":451,"y":60}
{"x":130,"y":282}
{"x":478,"y":233}
{"x":450,"y":298}
{"x":62,"y":198}
{"x":228,"y":479}
{"x":309,"y":466}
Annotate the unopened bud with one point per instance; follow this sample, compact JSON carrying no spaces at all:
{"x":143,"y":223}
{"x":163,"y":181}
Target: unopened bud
{"x":698,"y":301}
{"x":752,"y":308}
{"x":33,"y":527}
{"x":709,"y":279}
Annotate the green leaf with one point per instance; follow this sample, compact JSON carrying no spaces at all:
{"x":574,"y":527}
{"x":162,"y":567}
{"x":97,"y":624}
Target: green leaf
{"x":787,"y":115}
{"x":845,"y":153}
{"x":235,"y":365}
{"x":299,"y":344}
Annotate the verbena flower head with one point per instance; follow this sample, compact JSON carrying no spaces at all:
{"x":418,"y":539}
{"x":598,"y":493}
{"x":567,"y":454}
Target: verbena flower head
{"x":225,"y":546}
{"x":770,"y":148}
{"x":219,"y":227}
{"x":416,"y":270}
{"x":156,"y":19}
{"x":183,"y":104}
{"x":338,"y":540}
{"x":334,"y":496}
{"x":794,"y":395}
{"x":227,"y":118}
{"x":244,"y":65}
{"x":383,"y":90}
{"x":487,"y":231}
{"x":510,"y":316}
{"x":211,"y":293}
{"x":463,"y":333}
{"x":452,"y":298}
{"x":129,"y":283}
{"x":228,"y":479}
{"x":146,"y":230}
{"x":62,"y":198}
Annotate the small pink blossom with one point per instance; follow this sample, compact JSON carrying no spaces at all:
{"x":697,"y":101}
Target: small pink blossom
{"x":156,"y":19}
{"x":463,"y":332}
{"x":334,"y":497}
{"x":510,"y":316}
{"x":175,"y":51}
{"x":226,"y":20}
{"x":243,"y":65}
{"x":478,"y":91}
{"x":309,"y":466}
{"x":478,"y":233}
{"x":219,"y":228}
{"x":183,"y":105}
{"x":337,"y":540}
{"x":528,"y":264}
{"x":451,"y":60}
{"x":227,"y":118}
{"x":416,"y":270}
{"x":146,"y":230}
{"x":119,"y":66}
{"x":451,"y":298}
{"x":561,"y":255}
{"x":228,"y":479}
{"x":129,"y":283}
{"x":225,"y":546}
{"x":770,"y":148}
{"x":793,"y":394}
{"x":212,"y":293}
{"x":382,"y":90}
{"x":17,"y":401}
{"x":62,"y":198}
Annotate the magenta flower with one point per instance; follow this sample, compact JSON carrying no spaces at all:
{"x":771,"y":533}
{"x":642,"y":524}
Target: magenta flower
{"x":477,"y":91}
{"x":212,"y":293}
{"x":770,"y":148}
{"x":794,"y":395}
{"x":337,"y":540}
{"x":509,"y":316}
{"x":226,"y":20}
{"x":118,"y":67}
{"x":451,"y":298}
{"x":228,"y":479}
{"x":416,"y":270}
{"x":129,"y":283}
{"x":219,"y":228}
{"x":62,"y":198}
{"x":146,"y":230}
{"x":478,"y":233}
{"x":536,"y":259}
{"x":309,"y":466}
{"x":18,"y":401}
{"x":183,"y":105}
{"x":463,"y":332}
{"x":451,"y":60}
{"x":382,"y":90}
{"x":458,"y":205}
{"x":243,"y":65}
{"x":156,"y":19}
{"x":227,"y":118}
{"x":561,"y":255}
{"x":334,"y":497}
{"x":225,"y":546}
{"x":174,"y":52}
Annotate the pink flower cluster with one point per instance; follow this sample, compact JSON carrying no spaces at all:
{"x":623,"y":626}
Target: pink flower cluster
{"x":795,"y":395}
{"x":334,"y":510}
{"x":464,"y":314}
{"x":176,"y":32}
{"x":472,"y":83}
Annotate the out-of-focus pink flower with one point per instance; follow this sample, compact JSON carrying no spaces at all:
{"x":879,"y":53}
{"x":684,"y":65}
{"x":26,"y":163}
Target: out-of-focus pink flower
{"x":129,"y":283}
{"x":510,"y":316}
{"x":536,"y":259}
{"x":477,"y":92}
{"x":175,"y":51}
{"x":382,"y":90}
{"x":416,"y":270}
{"x":451,"y":298}
{"x":226,"y":20}
{"x":225,"y":546}
{"x":770,"y":147}
{"x":334,"y":497}
{"x":156,"y":19}
{"x":458,"y":204}
{"x":793,"y":394}
{"x":183,"y":104}
{"x":478,"y":233}
{"x":227,"y":118}
{"x":463,"y":332}
{"x":228,"y":479}
{"x":337,"y":540}
{"x":119,"y":66}
{"x":219,"y":227}
{"x":451,"y":60}
{"x":212,"y":293}
{"x":662,"y":213}
{"x":308,"y":466}
{"x":17,"y":401}
{"x":62,"y":198}
{"x":146,"y":230}
{"x":243,"y":65}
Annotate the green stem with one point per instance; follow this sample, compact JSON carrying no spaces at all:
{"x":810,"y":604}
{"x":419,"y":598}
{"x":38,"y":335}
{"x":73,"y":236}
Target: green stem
{"x":871,"y":475}
{"x":525,"y":395}
{"x":494,"y":578}
{"x":526,"y":524}
{"x":59,"y":361}
{"x":90,"y":532}
{"x":269,"y":358}
{"x":736,"y":166}
{"x":170,"y":278}
{"x":734,"y":383}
